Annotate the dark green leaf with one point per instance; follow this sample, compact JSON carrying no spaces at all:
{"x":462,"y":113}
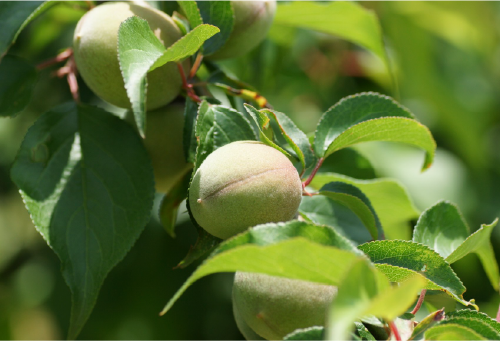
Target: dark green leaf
{"x":348,"y":162}
{"x":353,"y":198}
{"x":295,"y":137}
{"x":467,"y":313}
{"x":217,"y":126}
{"x":370,"y":117}
{"x":204,"y":244}
{"x":14,"y":16}
{"x":347,"y":20}
{"x":192,"y":12}
{"x":101,"y":203}
{"x":363,"y":333}
{"x":140,"y":51}
{"x":443,"y":228}
{"x":400,"y":259}
{"x":477,"y":325}
{"x":219,"y":14}
{"x":296,"y":250}
{"x":388,"y":197}
{"x":18,"y":79}
{"x":311,"y":333}
{"x":452,"y":331}
{"x":171,"y":202}
{"x":189,"y":142}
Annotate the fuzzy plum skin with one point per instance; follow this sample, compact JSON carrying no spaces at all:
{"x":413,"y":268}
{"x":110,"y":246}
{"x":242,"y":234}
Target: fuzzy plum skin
{"x":273,"y":307}
{"x":164,"y":143}
{"x":253,"y":19}
{"x":95,"y":49}
{"x":243,"y":184}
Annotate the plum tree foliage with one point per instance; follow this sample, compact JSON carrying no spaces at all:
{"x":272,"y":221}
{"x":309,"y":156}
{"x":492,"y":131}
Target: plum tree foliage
{"x":95,"y":42}
{"x":243,"y":184}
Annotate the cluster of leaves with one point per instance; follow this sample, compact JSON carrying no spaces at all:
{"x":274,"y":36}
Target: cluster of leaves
{"x":87,"y":182}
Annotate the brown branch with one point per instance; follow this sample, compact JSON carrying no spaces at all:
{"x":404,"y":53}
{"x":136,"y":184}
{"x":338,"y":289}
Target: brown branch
{"x":313,"y":173}
{"x":188,"y":87}
{"x":196,"y":65}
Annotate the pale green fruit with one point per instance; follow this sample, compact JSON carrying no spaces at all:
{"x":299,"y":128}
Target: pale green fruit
{"x":244,"y":328}
{"x":243,"y":184}
{"x":95,"y":49}
{"x":252,"y":21}
{"x":274,"y":306}
{"x":164,"y":143}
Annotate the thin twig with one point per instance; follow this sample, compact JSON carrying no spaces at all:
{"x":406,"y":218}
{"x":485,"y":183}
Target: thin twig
{"x":188,"y":87}
{"x":70,"y":71}
{"x":313,"y":173}
{"x":419,"y":302}
{"x":61,"y":57}
{"x":196,"y":65}
{"x":395,"y":331}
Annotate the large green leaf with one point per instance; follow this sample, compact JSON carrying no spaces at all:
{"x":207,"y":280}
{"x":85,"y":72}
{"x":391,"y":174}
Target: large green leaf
{"x":14,"y":16}
{"x":217,"y":126}
{"x":18,"y":79}
{"x":140,"y":51}
{"x":477,"y":325}
{"x":346,"y":20}
{"x":443,"y":228}
{"x":171,"y":202}
{"x":452,"y":331}
{"x":467,"y":313}
{"x":349,"y":162}
{"x":101,"y":203}
{"x":189,"y":134}
{"x":365,"y":292}
{"x":219,"y":14}
{"x":370,"y":117}
{"x":192,"y":12}
{"x":400,"y":259}
{"x":353,"y":198}
{"x":296,"y":250}
{"x":388,"y":197}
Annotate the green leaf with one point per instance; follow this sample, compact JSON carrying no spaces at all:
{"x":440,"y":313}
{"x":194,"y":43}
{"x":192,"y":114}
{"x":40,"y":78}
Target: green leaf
{"x":295,"y":137}
{"x":364,"y":292}
{"x":217,"y":126}
{"x":363,"y":332}
{"x":370,"y":117}
{"x":219,"y":14}
{"x":452,"y":331}
{"x":204,"y":244}
{"x":346,"y":20}
{"x":443,"y":228}
{"x":295,"y":249}
{"x":348,"y":162}
{"x":477,"y":325}
{"x":311,"y":333}
{"x":18,"y":79}
{"x":171,"y":202}
{"x":467,"y":313}
{"x":325,"y":211}
{"x":353,"y":198}
{"x":192,"y":12}
{"x":262,"y":121}
{"x":101,"y":203}
{"x":388,"y":197}
{"x":399,"y":259}
{"x":431,"y":320}
{"x":140,"y":51}
{"x":14,"y":16}
{"x":189,"y":135}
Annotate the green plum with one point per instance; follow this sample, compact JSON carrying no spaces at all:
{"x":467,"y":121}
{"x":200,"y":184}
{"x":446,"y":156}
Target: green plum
{"x":252,"y":21}
{"x":95,"y":50}
{"x":273,"y":307}
{"x":243,"y":184}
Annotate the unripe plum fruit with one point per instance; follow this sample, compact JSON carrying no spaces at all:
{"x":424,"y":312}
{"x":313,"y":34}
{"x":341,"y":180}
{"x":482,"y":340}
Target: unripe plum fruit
{"x":95,"y":50}
{"x":164,"y":143}
{"x":273,"y":307}
{"x":252,"y":21}
{"x":243,"y":184}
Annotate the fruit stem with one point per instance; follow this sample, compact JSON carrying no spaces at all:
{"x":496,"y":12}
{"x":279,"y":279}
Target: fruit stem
{"x":188,"y":87}
{"x":313,"y":173}
{"x":64,"y":55}
{"x":69,"y":70}
{"x":196,"y":65}
{"x":395,"y":331}
{"x":419,"y":302}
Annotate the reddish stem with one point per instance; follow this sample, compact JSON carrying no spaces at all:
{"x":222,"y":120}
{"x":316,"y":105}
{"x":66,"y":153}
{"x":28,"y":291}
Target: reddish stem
{"x":498,"y":314}
{"x":70,"y":71}
{"x":419,"y":302}
{"x":188,"y":87}
{"x":57,"y":59}
{"x":196,"y":65}
{"x":313,"y":173}
{"x":395,"y":331}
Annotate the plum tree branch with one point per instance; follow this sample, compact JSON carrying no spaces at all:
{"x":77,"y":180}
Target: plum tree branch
{"x":186,"y":86}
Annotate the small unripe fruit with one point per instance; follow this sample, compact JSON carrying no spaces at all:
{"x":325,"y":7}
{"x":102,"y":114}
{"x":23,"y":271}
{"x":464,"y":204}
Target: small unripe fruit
{"x":243,"y":184}
{"x":274,"y":306}
{"x":164,"y":143}
{"x":252,"y":21}
{"x":95,"y":48}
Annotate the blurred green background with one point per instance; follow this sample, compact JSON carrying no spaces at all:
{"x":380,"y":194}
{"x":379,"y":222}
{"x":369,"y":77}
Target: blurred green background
{"x":446,"y":58}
